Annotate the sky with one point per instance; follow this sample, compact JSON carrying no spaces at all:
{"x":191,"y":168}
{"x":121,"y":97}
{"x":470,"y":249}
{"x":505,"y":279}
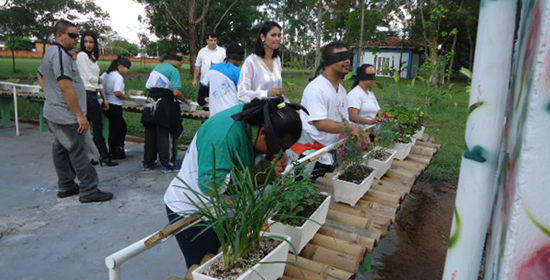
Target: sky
{"x":123,"y":18}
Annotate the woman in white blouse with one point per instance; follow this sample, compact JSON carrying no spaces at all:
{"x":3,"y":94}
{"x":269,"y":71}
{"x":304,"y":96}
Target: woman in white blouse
{"x":363,"y":108}
{"x":261,"y":71}
{"x":89,"y":70}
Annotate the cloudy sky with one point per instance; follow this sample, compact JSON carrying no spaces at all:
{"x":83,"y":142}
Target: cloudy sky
{"x":123,"y":17}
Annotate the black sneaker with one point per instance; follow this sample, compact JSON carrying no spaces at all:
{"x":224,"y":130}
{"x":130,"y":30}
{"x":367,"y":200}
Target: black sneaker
{"x":71,"y":192}
{"x":97,"y":196}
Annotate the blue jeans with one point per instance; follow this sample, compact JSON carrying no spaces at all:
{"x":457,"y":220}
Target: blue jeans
{"x":70,"y":158}
{"x":194,"y":250}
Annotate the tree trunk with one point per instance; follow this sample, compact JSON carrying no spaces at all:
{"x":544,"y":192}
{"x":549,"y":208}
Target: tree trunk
{"x":318,"y":34}
{"x":193,"y":36}
{"x":13,"y":60}
{"x":452,"y":58}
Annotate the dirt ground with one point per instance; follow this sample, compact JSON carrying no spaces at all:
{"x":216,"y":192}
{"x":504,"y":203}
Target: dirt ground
{"x":416,"y":246}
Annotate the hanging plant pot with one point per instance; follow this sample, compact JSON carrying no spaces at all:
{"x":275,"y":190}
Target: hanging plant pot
{"x":301,"y":235}
{"x":419,"y":133}
{"x":403,"y":149}
{"x":382,"y":165}
{"x":348,"y":192}
{"x":271,"y":267}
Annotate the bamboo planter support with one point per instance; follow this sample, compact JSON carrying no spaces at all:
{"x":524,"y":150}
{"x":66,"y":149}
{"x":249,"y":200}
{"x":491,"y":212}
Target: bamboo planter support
{"x":271,"y":267}
{"x":300,"y":236}
{"x":350,"y":193}
{"x":381,"y":166}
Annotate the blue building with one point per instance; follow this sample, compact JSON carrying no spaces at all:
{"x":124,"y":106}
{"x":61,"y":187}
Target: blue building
{"x":390,"y":55}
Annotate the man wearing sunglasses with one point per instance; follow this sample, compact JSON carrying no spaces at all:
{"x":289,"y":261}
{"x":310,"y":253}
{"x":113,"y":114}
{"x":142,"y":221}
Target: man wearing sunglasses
{"x":65,"y":115}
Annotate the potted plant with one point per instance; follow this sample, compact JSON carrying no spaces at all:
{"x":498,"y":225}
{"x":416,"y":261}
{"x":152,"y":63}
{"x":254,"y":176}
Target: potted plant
{"x":302,"y":214}
{"x":356,"y":178}
{"x":401,"y":123}
{"x":419,"y":128}
{"x":238,"y":219}
{"x":381,"y":158}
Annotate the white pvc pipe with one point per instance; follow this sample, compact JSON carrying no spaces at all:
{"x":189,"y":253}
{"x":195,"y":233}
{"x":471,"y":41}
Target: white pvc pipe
{"x":15,"y":110}
{"x":313,"y":155}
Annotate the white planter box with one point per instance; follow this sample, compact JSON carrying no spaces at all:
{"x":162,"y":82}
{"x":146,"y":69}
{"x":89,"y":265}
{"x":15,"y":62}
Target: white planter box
{"x":300,"y":236}
{"x":140,"y":100}
{"x":264,"y":270}
{"x":5,"y":87}
{"x":191,"y":107}
{"x":403,"y":150}
{"x":419,"y":133}
{"x":30,"y":89}
{"x":382,"y":166}
{"x":348,"y":192}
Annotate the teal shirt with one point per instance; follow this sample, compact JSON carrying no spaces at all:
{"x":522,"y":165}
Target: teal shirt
{"x":230,"y":140}
{"x":165,"y":75}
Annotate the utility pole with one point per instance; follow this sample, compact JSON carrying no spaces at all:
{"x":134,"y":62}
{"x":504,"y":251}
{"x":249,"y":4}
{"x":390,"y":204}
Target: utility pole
{"x":359,"y":48}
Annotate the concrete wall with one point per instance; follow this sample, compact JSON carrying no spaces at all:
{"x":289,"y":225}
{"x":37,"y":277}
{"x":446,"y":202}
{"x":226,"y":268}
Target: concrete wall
{"x":408,"y":58}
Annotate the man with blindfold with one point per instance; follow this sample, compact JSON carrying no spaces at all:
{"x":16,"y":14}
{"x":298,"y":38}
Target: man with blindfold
{"x":325,"y":98}
{"x":162,"y":116}
{"x":220,"y":83}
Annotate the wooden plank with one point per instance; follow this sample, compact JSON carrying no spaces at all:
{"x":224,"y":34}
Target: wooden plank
{"x":351,"y":229}
{"x":389,"y":188}
{"x":360,"y":212}
{"x":361,"y":240}
{"x":395,"y":186}
{"x":400,"y":176}
{"x":409,"y":165}
{"x":339,"y":245}
{"x":376,"y":206}
{"x":428,"y":144}
{"x":423,"y":151}
{"x":380,"y":194}
{"x":377,"y":225}
{"x":189,"y":275}
{"x":380,"y":201}
{"x":327,"y":256}
{"x":419,"y":158}
{"x":303,"y":268}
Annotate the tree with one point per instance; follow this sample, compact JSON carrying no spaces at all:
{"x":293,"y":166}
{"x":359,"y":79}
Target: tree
{"x":123,"y":47}
{"x":185,"y":21}
{"x":45,"y":13}
{"x":14,"y":23}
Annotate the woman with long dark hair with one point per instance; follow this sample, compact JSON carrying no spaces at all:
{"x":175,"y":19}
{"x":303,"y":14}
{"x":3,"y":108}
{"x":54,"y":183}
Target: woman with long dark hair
{"x":234,"y":136}
{"x":89,"y":70}
{"x":261,"y":71}
{"x":362,"y":105}
{"x":113,"y":84}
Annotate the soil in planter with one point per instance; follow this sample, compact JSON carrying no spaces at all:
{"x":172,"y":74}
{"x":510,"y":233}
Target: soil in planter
{"x":355,"y":174}
{"x":380,"y":155}
{"x":304,"y":214}
{"x":219,"y":271}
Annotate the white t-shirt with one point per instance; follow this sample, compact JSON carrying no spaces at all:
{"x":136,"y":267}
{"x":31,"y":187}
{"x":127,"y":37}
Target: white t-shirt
{"x":257,"y":79}
{"x":222,"y":91}
{"x":89,"y":71}
{"x":364,"y":101}
{"x":207,"y":57}
{"x":113,"y":82}
{"x":323,"y":102}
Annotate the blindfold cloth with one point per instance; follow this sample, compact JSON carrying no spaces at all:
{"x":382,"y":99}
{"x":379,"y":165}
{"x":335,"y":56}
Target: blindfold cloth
{"x":174,"y":57}
{"x":237,"y":57}
{"x":365,"y":77}
{"x":335,"y":58}
{"x":272,"y":140}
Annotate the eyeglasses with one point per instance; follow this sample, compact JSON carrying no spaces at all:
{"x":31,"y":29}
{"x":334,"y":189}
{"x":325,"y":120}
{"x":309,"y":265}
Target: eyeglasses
{"x":73,"y":35}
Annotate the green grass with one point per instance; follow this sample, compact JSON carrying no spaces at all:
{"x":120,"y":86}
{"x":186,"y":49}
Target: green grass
{"x":446,"y":117}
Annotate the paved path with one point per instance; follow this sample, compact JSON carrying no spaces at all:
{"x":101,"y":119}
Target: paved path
{"x":43,"y":237}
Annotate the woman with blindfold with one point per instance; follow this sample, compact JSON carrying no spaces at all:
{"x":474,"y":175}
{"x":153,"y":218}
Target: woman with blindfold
{"x":115,"y":91}
{"x":234,"y":136}
{"x":261,"y":71}
{"x":363,"y":108}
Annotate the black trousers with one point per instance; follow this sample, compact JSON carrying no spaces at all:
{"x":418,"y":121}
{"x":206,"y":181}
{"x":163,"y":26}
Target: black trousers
{"x":158,"y":141}
{"x":117,"y":129}
{"x":193,"y":251}
{"x":94,"y":115}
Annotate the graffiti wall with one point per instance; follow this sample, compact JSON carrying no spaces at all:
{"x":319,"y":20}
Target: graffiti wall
{"x":508,"y":200}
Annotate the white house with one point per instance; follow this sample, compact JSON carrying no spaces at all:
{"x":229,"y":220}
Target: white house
{"x":388,"y":55}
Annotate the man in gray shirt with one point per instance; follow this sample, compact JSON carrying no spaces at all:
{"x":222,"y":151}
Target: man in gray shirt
{"x":65,"y":115}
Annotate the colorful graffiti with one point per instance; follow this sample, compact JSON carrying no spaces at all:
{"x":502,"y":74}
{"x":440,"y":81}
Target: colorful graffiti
{"x":513,"y":225}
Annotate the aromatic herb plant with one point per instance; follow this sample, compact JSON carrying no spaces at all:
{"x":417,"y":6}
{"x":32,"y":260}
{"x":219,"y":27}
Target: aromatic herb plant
{"x":300,"y":204}
{"x":238,"y":219}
